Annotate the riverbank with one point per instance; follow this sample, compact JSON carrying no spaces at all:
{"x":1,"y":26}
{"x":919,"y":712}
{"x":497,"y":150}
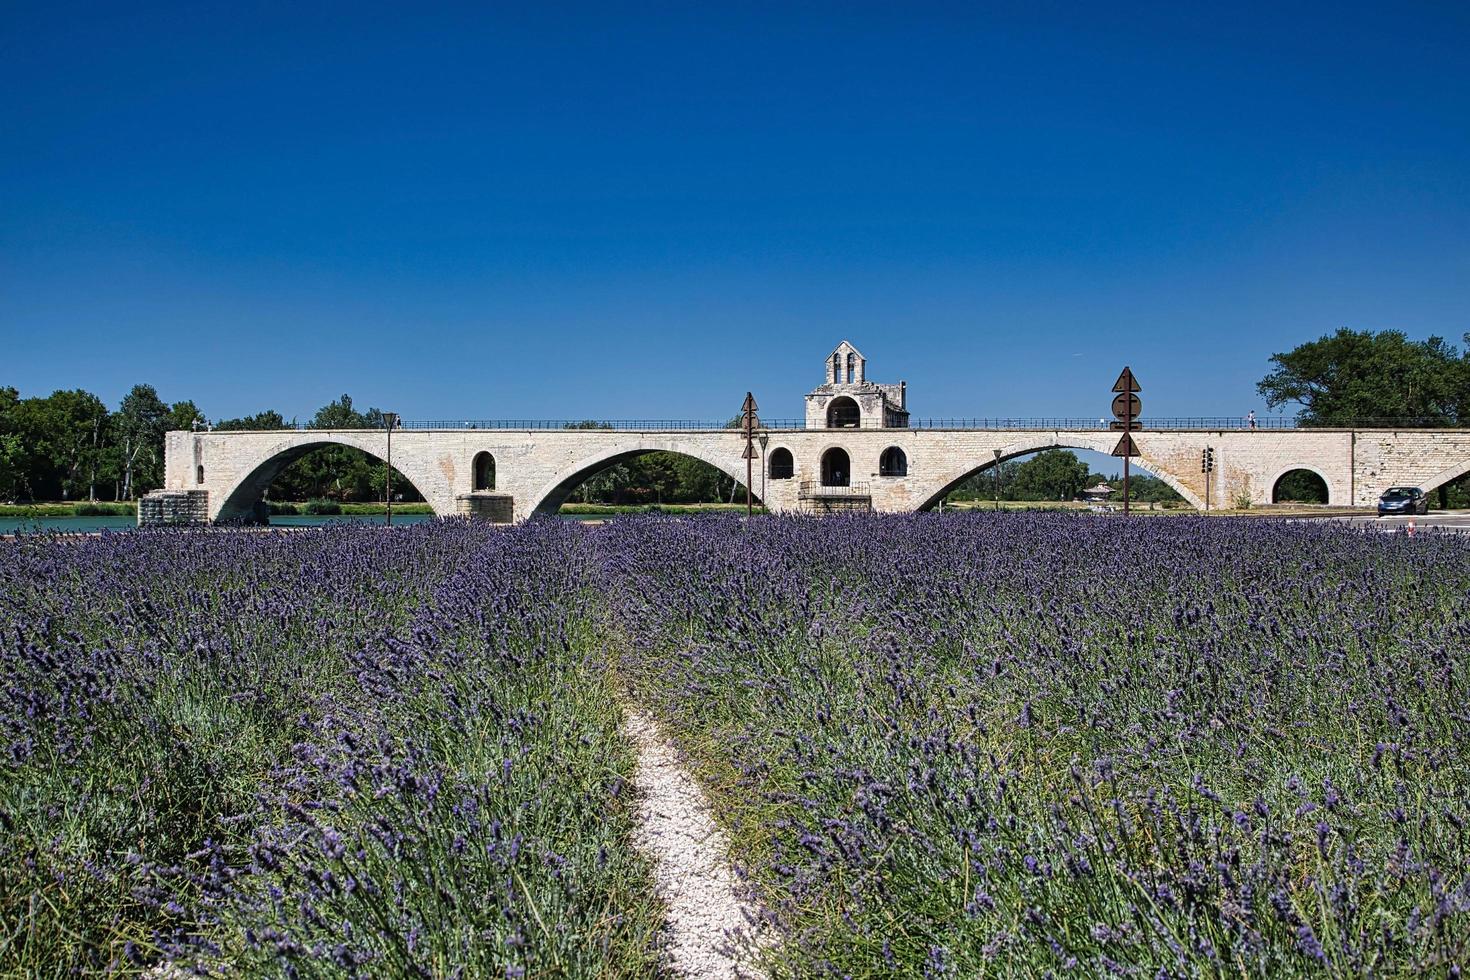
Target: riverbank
{"x":129,"y":508}
{"x":82,"y":508}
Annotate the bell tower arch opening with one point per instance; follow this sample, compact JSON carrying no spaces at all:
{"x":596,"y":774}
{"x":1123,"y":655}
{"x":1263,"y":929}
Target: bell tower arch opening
{"x":843,"y":413}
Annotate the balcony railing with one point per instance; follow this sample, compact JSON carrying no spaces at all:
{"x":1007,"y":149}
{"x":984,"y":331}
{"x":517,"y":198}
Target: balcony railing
{"x":811,"y":488}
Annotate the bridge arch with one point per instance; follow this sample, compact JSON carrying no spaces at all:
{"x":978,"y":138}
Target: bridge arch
{"x":241,"y":493}
{"x":550,"y":496}
{"x":1446,"y":476}
{"x":1275,"y":485}
{"x":953,"y":476}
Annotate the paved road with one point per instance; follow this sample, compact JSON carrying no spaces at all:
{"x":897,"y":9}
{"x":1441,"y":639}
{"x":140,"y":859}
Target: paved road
{"x":1456,"y":520}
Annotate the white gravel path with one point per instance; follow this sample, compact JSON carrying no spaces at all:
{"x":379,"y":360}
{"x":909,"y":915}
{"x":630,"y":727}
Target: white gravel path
{"x":709,"y":922}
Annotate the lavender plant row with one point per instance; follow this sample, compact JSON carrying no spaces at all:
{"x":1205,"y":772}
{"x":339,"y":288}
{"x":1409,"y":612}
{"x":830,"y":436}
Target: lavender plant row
{"x":1037,"y":745}
{"x":341,"y":753}
{"x":941,"y":745}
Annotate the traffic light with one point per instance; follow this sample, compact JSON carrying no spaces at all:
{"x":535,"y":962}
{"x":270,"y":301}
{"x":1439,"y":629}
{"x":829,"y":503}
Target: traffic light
{"x":1207,"y":460}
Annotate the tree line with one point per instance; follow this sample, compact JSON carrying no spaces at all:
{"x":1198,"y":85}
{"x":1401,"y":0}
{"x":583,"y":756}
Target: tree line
{"x":69,"y":446}
{"x":1055,"y":474}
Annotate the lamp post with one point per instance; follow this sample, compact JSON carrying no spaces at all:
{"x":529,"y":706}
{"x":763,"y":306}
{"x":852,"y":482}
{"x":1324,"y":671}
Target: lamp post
{"x":764,"y":437}
{"x":390,"y":419}
{"x":997,"y":478}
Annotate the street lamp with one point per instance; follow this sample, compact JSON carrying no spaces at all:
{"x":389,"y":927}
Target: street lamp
{"x":390,"y":419}
{"x":764,"y":437}
{"x":997,"y":478}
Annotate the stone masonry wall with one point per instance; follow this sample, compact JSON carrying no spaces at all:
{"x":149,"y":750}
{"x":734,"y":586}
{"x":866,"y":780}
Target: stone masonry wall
{"x":173,"y":507}
{"x":537,"y":469}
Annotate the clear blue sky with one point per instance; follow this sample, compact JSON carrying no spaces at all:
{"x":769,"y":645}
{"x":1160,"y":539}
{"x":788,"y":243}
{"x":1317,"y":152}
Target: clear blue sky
{"x":550,"y":211}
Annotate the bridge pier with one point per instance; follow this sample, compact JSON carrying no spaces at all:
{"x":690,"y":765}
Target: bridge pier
{"x":497,"y":508}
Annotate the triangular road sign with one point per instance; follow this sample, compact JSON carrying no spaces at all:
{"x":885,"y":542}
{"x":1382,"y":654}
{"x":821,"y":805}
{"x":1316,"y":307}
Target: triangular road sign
{"x":750,"y":452}
{"x":1126,"y":381}
{"x":1126,"y":446}
{"x":749,"y":406}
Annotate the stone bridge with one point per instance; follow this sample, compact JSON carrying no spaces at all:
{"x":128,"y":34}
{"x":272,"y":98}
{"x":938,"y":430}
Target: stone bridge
{"x":510,"y":474}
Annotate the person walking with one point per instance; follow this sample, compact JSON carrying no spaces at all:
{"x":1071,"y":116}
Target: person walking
{"x":1250,"y":418}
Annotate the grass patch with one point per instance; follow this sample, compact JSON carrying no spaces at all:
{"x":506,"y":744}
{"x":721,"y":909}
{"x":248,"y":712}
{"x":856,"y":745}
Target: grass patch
{"x":125,"y":508}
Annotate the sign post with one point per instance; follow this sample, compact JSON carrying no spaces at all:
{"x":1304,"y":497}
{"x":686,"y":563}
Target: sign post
{"x":749,"y":423}
{"x":390,"y":419}
{"x":1207,"y":466}
{"x":1127,"y":407}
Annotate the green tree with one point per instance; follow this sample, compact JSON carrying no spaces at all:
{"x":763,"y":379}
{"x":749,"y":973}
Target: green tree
{"x":1358,"y":374}
{"x":1055,"y":474}
{"x":981,"y":485}
{"x":260,"y":421}
{"x":59,"y":444}
{"x":184,"y":416}
{"x":699,"y":482}
{"x":140,"y":423}
{"x":11,"y":453}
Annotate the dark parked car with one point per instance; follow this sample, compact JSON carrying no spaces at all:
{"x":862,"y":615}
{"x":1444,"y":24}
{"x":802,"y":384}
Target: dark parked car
{"x":1403,"y":500}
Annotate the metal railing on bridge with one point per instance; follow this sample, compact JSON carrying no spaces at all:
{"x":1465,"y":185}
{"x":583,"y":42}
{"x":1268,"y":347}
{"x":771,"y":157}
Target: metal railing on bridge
{"x":997,"y":423}
{"x":994,"y":423}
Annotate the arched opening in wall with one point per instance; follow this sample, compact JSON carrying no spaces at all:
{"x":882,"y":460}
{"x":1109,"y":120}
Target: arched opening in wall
{"x":484,"y":472}
{"x":837,"y":369}
{"x":893,"y":462}
{"x":843,"y":413}
{"x":199,"y":474}
{"x":851,"y":368}
{"x":308,"y":483}
{"x":1057,"y":478}
{"x":836,"y":468}
{"x":1300,"y":486}
{"x":645,"y":479}
{"x":782,"y":466}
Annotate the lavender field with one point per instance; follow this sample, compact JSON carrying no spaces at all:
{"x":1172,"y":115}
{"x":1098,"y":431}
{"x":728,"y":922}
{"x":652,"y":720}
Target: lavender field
{"x":1000,"y":745}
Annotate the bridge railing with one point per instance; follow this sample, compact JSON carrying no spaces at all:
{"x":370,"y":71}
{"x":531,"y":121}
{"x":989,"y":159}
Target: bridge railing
{"x":635,"y":425}
{"x":995,"y":423}
{"x":999,"y":423}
